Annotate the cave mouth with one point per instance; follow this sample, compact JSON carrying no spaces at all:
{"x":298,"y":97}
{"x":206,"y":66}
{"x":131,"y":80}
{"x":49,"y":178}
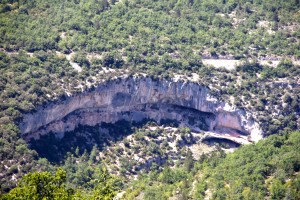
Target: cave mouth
{"x":137,"y":98}
{"x":221,"y":142}
{"x":54,"y":146}
{"x":110,"y":114}
{"x":158,"y":112}
{"x":83,"y":137}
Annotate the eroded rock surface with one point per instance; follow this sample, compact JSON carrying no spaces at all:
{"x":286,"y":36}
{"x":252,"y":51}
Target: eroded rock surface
{"x":137,"y":99}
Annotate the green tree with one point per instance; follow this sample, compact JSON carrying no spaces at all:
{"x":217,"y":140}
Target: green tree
{"x":35,"y":186}
{"x":105,"y":185}
{"x":189,"y":161}
{"x":277,"y":190}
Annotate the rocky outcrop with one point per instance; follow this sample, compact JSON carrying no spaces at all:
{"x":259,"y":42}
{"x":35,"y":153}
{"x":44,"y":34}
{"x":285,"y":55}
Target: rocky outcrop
{"x":138,"y":98}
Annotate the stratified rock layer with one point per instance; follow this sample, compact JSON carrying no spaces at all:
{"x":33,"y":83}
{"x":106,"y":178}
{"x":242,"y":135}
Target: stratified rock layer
{"x":136,"y":99}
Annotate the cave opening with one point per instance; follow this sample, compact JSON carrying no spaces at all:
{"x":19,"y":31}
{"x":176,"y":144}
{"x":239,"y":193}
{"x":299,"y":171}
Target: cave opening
{"x":83,"y":137}
{"x":104,"y":134}
{"x":221,"y":142}
{"x":135,"y":124}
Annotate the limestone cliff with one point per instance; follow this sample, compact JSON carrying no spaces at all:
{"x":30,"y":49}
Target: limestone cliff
{"x":138,"y":98}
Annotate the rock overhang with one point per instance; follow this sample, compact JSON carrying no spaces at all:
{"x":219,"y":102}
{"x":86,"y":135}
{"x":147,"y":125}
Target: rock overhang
{"x":137,"y":97}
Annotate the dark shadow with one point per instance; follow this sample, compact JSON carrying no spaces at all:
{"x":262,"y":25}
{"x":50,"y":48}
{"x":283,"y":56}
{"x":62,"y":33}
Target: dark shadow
{"x":106,"y":134}
{"x":85,"y":137}
{"x":224,"y":143}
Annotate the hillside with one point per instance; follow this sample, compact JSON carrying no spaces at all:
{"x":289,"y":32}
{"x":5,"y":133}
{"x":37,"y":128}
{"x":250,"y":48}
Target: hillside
{"x":269,"y":168}
{"x":153,"y":92}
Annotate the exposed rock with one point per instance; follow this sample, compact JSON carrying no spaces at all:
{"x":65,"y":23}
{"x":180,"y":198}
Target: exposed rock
{"x":136,"y":99}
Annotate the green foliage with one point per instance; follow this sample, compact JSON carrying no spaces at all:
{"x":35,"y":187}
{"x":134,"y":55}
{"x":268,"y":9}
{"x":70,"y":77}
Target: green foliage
{"x":277,"y":189}
{"x":105,"y":186}
{"x":255,"y":171}
{"x":41,"y":186}
{"x":249,"y":167}
{"x":154,"y":193}
{"x":156,"y":37}
{"x":169,"y":176}
{"x":143,"y":31}
{"x":81,"y":59}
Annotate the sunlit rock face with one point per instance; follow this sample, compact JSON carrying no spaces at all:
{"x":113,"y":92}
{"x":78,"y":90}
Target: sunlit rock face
{"x":136,"y":99}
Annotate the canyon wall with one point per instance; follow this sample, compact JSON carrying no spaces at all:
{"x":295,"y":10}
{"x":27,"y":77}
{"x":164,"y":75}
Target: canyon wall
{"x":138,"y":98}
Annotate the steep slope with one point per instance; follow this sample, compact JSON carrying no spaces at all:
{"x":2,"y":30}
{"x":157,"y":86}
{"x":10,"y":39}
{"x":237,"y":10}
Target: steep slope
{"x":56,"y":57}
{"x":136,"y":99}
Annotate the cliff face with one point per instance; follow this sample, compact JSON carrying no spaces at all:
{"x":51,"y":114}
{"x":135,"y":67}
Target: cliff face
{"x":135,"y":99}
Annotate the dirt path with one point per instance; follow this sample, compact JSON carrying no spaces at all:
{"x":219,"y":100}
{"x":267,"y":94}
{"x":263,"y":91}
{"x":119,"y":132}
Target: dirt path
{"x":74,"y":65}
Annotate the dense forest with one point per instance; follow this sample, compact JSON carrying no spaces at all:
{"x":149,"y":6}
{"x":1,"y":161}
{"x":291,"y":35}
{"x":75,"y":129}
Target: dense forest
{"x":268,"y":168}
{"x":162,"y":39}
